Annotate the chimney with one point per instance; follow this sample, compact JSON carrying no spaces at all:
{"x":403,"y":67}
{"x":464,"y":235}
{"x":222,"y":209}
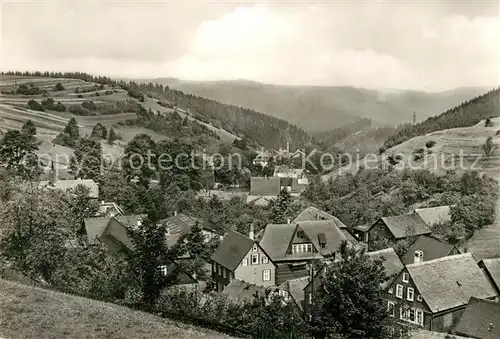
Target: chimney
{"x":418,"y":257}
{"x":288,"y":220}
{"x":175,"y":213}
{"x":251,"y":234}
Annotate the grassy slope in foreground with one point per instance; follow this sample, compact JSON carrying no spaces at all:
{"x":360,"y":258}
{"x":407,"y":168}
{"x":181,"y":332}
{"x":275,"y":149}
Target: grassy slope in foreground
{"x":29,"y":312}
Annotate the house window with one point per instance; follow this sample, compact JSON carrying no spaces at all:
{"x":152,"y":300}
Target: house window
{"x":391,"y":290}
{"x":410,"y":294}
{"x":399,"y":291}
{"x":390,"y":308}
{"x":402,"y":314}
{"x":309,"y":248}
{"x":323,"y":245}
{"x":245,"y":262}
{"x":406,"y":277}
{"x":266,"y":275}
{"x":420,"y":317}
{"x":265,"y":260}
{"x":419,"y":297}
{"x":411,"y":315}
{"x":283,"y":294}
{"x":310,"y":298}
{"x":255,"y":259}
{"x":254,"y":248}
{"x":164,"y":270}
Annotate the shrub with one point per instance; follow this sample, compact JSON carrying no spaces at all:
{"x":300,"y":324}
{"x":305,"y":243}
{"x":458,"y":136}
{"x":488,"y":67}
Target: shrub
{"x":78,"y":110}
{"x":35,"y":105}
{"x":27,"y":90}
{"x":419,"y":151}
{"x":90,"y":105}
{"x":382,"y":149}
{"x":498,"y":132}
{"x":59,"y":107}
{"x":430,"y":143}
{"x":488,"y":123}
{"x":80,"y":96}
{"x":59,"y":87}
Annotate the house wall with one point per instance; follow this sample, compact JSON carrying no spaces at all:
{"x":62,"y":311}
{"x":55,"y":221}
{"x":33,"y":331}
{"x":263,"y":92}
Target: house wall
{"x":310,"y":289}
{"x":377,"y":232}
{"x":254,"y":273}
{"x":221,"y":275}
{"x":404,"y":302}
{"x":287,"y":271}
{"x":443,"y":322}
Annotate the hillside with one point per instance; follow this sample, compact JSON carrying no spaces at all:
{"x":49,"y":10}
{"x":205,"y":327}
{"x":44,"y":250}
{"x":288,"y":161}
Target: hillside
{"x":321,"y":109}
{"x":29,"y":312}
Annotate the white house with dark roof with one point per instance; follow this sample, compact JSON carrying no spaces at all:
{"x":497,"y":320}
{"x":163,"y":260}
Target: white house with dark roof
{"x":433,"y":294}
{"x":241,"y":257}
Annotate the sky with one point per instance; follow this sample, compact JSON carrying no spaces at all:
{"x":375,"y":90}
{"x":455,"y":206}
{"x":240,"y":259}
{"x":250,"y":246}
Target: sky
{"x":427,"y":45}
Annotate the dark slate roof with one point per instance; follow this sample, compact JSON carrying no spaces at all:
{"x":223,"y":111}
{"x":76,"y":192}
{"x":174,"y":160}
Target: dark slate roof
{"x":265,"y":186}
{"x":182,"y":224}
{"x":98,"y":227}
{"x":363,"y":228}
{"x":492,"y":266}
{"x":485,"y":243}
{"x":434,"y":215}
{"x":406,"y":225}
{"x":276,"y":239}
{"x":449,"y":282}
{"x":118,"y":231}
{"x":238,"y":291}
{"x":313,"y":213}
{"x":330,"y":231}
{"x":477,"y":317}
{"x":432,"y":248}
{"x":95,"y":227}
{"x":392,"y":265}
{"x":232,"y":250}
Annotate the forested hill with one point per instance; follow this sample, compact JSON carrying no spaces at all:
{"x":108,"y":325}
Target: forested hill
{"x":258,"y":128}
{"x":269,"y":131}
{"x":465,"y":115}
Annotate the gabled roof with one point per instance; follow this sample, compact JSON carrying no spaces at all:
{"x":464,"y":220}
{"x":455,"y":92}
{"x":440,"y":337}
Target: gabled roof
{"x":95,"y":227}
{"x":98,"y":227}
{"x":406,"y":225}
{"x":182,"y":224}
{"x":432,"y":248}
{"x":449,"y":282}
{"x":328,"y":230}
{"x":71,"y":184}
{"x":104,"y":208}
{"x":419,"y":333}
{"x":238,"y":291}
{"x":434,"y":215}
{"x":265,"y":186}
{"x":492,"y":266}
{"x":392,"y":265}
{"x":477,"y":317}
{"x":232,"y":250}
{"x":313,"y":213}
{"x":485,"y":242}
{"x":276,"y":238}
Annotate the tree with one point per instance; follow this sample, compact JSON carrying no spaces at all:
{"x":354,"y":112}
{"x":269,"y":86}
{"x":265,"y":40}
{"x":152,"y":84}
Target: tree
{"x":87,"y":159}
{"x":149,"y":253}
{"x":489,"y":147}
{"x":139,"y":159}
{"x":29,"y":128}
{"x":351,"y":302}
{"x":488,"y":123}
{"x":59,"y":87}
{"x":112,"y":136}
{"x":179,"y":165}
{"x":430,"y":143}
{"x":99,"y":131}
{"x":280,"y":207}
{"x":35,"y":105}
{"x":17,"y":153}
{"x":82,"y":206}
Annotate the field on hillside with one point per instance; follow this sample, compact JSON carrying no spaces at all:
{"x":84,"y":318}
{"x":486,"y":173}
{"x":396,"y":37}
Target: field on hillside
{"x":29,"y":312}
{"x":14,"y":112}
{"x":459,"y":148}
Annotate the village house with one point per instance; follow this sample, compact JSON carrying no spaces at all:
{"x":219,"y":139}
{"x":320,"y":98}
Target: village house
{"x":263,"y":190}
{"x":112,"y":232}
{"x":180,"y":224}
{"x":492,"y":269}
{"x":484,"y":243}
{"x":392,"y":267}
{"x":427,"y":248}
{"x":481,"y":319}
{"x":241,"y":257}
{"x":292,"y":291}
{"x":392,"y":229}
{"x":434,"y":215}
{"x":293,"y":247}
{"x":238,"y":292}
{"x":67,"y":185}
{"x":109,"y":209}
{"x":433,"y":294}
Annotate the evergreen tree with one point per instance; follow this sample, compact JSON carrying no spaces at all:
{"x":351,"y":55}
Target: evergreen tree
{"x":489,"y":147}
{"x":87,"y":159}
{"x":280,"y":207}
{"x":72,"y":129}
{"x":139,"y":160}
{"x":112,"y":136}
{"x":29,"y":128}
{"x":17,"y":153}
{"x":99,"y":131}
{"x":149,"y":254}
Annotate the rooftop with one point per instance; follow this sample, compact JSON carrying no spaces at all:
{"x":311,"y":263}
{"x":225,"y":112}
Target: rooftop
{"x":313,"y":213}
{"x":492,"y":266}
{"x":265,"y":186}
{"x":433,"y":215}
{"x":238,"y":291}
{"x":406,"y":225}
{"x":477,"y":317}
{"x":450,"y":281}
{"x":485,"y":242}
{"x":392,"y":265}
{"x":432,"y":248}
{"x":232,"y":250}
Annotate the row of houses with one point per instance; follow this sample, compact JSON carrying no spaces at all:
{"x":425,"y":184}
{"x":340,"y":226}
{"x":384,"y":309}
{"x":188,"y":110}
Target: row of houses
{"x":433,"y":285}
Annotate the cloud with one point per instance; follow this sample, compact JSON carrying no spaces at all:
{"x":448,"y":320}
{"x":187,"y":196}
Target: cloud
{"x":380,"y":45}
